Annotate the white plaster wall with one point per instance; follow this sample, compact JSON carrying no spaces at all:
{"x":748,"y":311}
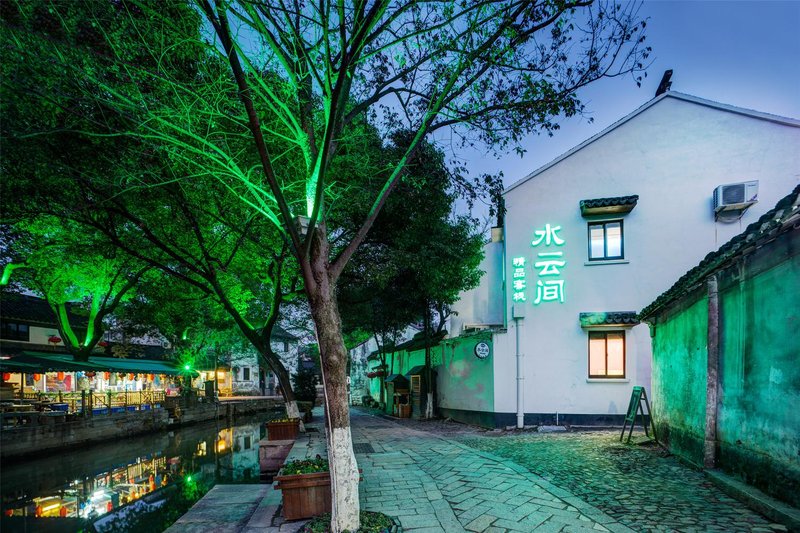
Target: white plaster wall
{"x":39,"y":335}
{"x":484,"y":304}
{"x":672,"y":155}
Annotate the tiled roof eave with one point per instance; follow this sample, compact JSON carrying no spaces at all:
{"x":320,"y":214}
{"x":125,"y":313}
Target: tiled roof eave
{"x":608,"y":319}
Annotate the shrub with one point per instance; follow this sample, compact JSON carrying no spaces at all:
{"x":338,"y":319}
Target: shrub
{"x":370,"y":523}
{"x":305,"y":386}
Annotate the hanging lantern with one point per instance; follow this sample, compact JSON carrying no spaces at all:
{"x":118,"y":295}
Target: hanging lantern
{"x":37,"y":377}
{"x":60,"y":376}
{"x":107,"y":375}
{"x":6,"y":376}
{"x":131,"y":376}
{"x":151,"y":377}
{"x":54,"y":339}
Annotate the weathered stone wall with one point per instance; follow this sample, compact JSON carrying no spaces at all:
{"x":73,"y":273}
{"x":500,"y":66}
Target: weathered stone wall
{"x":26,"y":440}
{"x":679,"y":380}
{"x":759,"y":420}
{"x":759,"y":376}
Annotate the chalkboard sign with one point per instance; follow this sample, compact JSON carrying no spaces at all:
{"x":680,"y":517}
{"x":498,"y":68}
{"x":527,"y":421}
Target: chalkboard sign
{"x":633,"y":406}
{"x":637,"y":405}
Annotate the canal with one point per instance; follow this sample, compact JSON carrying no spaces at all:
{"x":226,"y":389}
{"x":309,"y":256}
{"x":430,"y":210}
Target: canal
{"x":140,"y":483}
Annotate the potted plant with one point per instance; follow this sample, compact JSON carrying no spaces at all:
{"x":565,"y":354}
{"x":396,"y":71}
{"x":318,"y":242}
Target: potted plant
{"x":306,"y":486}
{"x":283,"y":429}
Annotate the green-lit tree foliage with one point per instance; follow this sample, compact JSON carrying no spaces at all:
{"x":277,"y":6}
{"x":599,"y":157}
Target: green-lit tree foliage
{"x":69,"y":266}
{"x":73,"y":162}
{"x":308,"y":75}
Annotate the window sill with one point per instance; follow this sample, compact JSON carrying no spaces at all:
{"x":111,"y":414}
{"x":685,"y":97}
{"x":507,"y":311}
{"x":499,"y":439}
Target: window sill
{"x":608,"y":262}
{"x":608,"y":380}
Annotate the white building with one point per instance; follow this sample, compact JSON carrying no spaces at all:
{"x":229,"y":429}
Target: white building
{"x":595,"y":235}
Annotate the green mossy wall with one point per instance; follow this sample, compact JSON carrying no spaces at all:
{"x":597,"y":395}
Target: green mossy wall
{"x":758,"y":421}
{"x":758,"y":417}
{"x":679,"y":380}
{"x":466,"y":383}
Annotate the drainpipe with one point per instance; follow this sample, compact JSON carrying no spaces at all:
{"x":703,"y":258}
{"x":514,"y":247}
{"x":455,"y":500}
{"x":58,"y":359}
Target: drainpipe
{"x":712,"y":375}
{"x":518,"y":313}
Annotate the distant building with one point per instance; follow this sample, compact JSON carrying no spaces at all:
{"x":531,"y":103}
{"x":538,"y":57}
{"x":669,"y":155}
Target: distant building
{"x":589,"y":240}
{"x":726,"y":379}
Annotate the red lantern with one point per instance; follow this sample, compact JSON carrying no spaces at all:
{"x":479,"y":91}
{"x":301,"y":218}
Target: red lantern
{"x":37,"y":377}
{"x":107,"y":375}
{"x":109,"y":507}
{"x":55,"y":339}
{"x":60,"y":376}
{"x":6,"y":376}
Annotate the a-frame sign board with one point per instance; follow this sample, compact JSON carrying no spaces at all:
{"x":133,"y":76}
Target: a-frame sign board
{"x":637,"y":405}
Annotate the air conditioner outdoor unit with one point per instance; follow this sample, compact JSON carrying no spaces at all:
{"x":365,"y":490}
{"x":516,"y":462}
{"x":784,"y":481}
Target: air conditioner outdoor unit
{"x":735,"y":196}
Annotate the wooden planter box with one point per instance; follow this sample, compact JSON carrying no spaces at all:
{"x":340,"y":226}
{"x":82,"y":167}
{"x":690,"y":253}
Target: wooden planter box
{"x":283,"y":430}
{"x":305,"y":495}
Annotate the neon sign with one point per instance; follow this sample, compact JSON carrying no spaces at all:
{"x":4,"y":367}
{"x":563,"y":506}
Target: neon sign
{"x":549,"y":264}
{"x":518,"y":279}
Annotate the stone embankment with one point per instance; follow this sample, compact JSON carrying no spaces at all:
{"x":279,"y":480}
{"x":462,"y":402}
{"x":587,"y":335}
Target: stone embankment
{"x":76,"y":430}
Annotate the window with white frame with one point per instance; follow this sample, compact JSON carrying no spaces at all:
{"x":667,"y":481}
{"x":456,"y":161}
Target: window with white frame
{"x":607,"y":354}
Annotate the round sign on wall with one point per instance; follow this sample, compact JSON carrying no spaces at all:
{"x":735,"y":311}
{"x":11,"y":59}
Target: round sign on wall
{"x":482,"y":350}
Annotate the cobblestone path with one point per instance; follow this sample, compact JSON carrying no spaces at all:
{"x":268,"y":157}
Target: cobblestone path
{"x":435,"y":484}
{"x":638,"y":486}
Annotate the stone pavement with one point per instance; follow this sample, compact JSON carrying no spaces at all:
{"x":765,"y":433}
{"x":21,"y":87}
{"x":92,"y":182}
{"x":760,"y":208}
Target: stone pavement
{"x":439,"y":476}
{"x":435,"y":484}
{"x":641,"y":487}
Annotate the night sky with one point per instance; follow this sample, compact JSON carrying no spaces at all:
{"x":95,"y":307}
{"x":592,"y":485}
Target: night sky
{"x":742,"y":53}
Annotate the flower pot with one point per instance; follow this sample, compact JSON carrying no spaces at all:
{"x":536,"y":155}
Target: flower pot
{"x":283,"y":430}
{"x":305,"y":495}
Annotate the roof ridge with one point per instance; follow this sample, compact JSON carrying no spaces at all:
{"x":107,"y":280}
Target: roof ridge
{"x":642,"y":108}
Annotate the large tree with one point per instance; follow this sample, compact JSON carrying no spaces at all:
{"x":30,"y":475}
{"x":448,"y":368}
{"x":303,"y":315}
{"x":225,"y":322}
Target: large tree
{"x":308,"y":74}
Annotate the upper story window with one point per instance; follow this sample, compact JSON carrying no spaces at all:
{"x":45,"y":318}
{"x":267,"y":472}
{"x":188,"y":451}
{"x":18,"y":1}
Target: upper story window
{"x":246,"y":373}
{"x":15,"y":331}
{"x":606,"y":241}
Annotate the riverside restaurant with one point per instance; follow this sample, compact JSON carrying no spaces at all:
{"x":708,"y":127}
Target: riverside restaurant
{"x":38,"y":381}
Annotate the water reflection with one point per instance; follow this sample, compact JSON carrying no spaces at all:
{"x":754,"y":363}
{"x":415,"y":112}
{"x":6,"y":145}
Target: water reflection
{"x":99,"y":484}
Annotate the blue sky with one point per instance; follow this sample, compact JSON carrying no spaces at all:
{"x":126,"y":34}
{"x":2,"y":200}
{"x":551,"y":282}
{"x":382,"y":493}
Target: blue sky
{"x":743,"y":53}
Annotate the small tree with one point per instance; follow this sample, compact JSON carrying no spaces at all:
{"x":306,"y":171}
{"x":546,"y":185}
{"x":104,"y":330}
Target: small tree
{"x":305,"y":385}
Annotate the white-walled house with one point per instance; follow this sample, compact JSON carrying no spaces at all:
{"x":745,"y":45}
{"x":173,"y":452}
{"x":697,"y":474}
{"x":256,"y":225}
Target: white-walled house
{"x":594,"y":236}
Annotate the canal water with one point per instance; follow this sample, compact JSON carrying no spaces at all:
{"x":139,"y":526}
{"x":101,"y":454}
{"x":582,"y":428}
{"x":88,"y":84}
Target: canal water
{"x":134,"y":484}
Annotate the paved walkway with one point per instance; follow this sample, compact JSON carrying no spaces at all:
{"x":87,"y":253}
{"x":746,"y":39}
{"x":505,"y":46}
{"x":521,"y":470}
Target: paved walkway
{"x":435,"y":484}
{"x":443,"y":477}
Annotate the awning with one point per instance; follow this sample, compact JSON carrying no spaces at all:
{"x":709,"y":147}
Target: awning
{"x":398,"y":380}
{"x":608,"y":206}
{"x":59,"y":362}
{"x":416,"y":371}
{"x":623,"y":319}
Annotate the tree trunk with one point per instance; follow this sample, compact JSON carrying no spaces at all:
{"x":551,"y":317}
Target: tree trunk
{"x":290,"y":402}
{"x":333,"y":359}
